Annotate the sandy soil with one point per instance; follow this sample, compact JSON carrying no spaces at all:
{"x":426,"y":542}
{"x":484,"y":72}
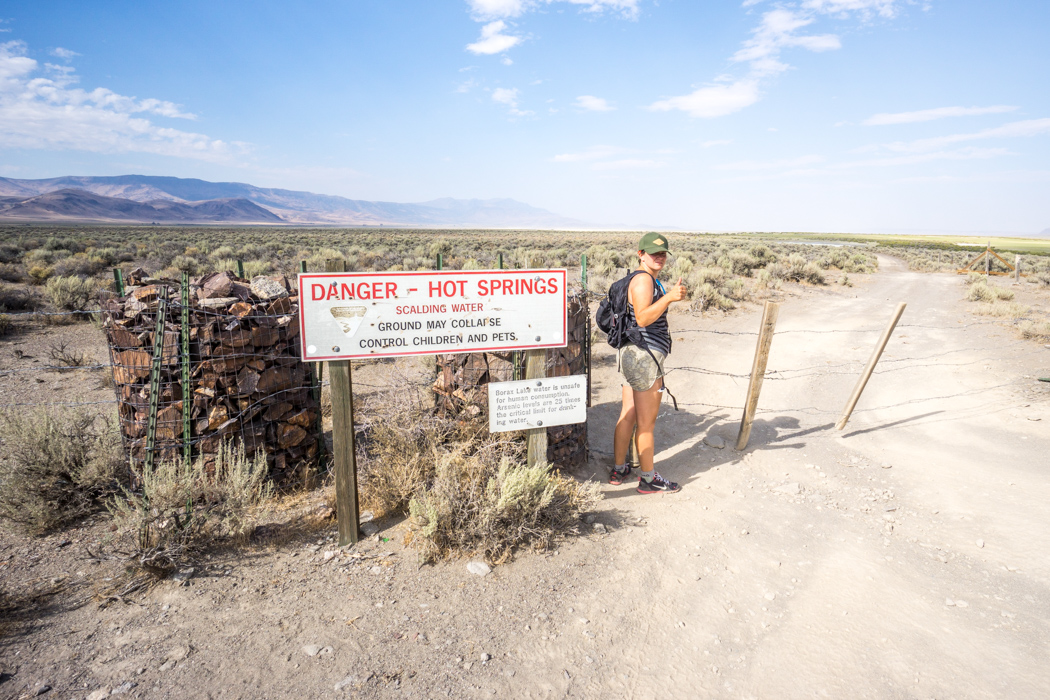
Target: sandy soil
{"x":901,"y":557}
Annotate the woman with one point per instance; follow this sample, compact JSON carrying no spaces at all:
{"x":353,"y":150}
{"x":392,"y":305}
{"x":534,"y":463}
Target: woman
{"x":641,"y":364}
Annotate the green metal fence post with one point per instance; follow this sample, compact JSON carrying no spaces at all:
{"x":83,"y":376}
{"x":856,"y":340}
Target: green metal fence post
{"x":240,"y":269}
{"x":501,"y":261}
{"x":187,"y":391}
{"x":154,"y":377}
{"x":118,"y":278}
{"x":440,"y":262}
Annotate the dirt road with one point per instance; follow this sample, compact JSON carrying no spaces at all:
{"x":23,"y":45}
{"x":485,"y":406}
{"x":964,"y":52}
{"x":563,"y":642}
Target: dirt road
{"x":902,"y":557}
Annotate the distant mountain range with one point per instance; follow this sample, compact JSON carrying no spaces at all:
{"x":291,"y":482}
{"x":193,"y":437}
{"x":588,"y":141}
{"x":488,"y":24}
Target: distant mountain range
{"x":147,"y":199}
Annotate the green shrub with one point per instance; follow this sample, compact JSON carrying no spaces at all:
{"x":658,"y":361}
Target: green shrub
{"x":1035,"y":330}
{"x":180,"y":509}
{"x":58,"y":466}
{"x":72,"y":293}
{"x":185,"y":263}
{"x":38,"y":273}
{"x":16,"y":299}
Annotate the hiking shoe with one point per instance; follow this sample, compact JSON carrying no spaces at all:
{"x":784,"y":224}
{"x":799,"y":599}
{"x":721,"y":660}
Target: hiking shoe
{"x":617,"y":477}
{"x":657,"y":485}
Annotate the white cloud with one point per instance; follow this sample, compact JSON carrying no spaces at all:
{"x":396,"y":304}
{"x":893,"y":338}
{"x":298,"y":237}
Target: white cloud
{"x":593,"y":104}
{"x":493,"y":40}
{"x":484,"y":10}
{"x":628,"y":164}
{"x":59,"y":52}
{"x":926,"y":115}
{"x":1029,"y":127}
{"x":509,"y":97}
{"x":771,"y":164}
{"x":779,"y":29}
{"x":48,"y":113}
{"x":717,"y":142}
{"x":713,"y":100}
{"x":592,"y":153}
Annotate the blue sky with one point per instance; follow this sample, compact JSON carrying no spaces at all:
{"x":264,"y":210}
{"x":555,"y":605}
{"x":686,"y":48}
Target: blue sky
{"x":824,"y":115}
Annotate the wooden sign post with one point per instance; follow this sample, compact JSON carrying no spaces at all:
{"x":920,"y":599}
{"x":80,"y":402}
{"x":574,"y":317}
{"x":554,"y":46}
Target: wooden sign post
{"x":536,"y":368}
{"x":758,"y":372}
{"x":344,"y":459}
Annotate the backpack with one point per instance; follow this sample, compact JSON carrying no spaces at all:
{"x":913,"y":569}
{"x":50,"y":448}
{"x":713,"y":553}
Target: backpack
{"x":611,"y":319}
{"x":612,"y":312}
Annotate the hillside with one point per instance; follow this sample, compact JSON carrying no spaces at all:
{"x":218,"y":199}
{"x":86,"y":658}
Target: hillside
{"x":295,"y":206}
{"x":80,"y":205}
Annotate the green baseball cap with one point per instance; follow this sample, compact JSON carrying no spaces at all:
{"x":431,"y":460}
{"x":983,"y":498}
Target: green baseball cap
{"x":653,"y":243}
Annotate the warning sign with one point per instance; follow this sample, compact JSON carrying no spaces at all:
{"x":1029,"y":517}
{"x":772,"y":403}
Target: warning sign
{"x":537,"y":403}
{"x":390,"y":314}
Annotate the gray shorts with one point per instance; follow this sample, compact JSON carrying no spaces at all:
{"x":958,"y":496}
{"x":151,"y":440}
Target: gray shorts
{"x":637,"y":366}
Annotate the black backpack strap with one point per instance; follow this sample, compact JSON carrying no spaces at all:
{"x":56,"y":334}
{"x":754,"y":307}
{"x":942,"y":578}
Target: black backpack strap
{"x":664,"y":389}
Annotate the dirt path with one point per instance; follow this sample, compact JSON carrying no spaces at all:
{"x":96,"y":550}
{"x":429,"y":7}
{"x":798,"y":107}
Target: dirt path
{"x":817,"y":563}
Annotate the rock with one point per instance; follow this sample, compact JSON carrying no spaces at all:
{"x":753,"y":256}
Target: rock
{"x":888,"y":517}
{"x":479,"y":568}
{"x":216,"y":285}
{"x":366,"y":517}
{"x":980,"y":543}
{"x":599,"y":528}
{"x":961,"y":604}
{"x":771,"y":596}
{"x":485,"y":657}
{"x":887,"y":466}
{"x":712,"y":440}
{"x":267,"y":288}
{"x":216,"y":303}
{"x":328,"y":556}
{"x":792,"y":489}
{"x":43,"y":688}
{"x":167,"y":666}
{"x":182,"y":577}
{"x":124,"y":687}
{"x":312,"y":649}
{"x":102,"y":692}
{"x":589,"y":519}
{"x":177,"y":654}
{"x":348,"y":681}
{"x":368,"y":529}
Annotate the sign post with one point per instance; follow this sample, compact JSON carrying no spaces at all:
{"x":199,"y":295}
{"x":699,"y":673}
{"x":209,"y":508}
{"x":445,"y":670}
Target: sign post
{"x":356,"y":315}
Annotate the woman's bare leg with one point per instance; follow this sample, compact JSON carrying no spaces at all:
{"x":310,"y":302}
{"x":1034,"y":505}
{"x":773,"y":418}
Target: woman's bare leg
{"x":646,"y":407}
{"x":624,"y":427}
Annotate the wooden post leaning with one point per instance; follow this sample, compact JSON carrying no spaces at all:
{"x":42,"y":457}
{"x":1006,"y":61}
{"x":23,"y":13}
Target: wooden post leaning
{"x":344,"y":458}
{"x":536,"y":368}
{"x":1017,"y":269}
{"x":857,"y":390}
{"x":758,"y":371}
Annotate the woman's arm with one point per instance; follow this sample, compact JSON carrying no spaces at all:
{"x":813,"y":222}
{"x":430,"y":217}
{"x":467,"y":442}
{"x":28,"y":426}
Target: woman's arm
{"x":646,"y":311}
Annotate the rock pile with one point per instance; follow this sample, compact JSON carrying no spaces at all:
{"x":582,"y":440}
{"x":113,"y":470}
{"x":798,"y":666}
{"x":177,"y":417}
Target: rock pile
{"x":246,"y":381}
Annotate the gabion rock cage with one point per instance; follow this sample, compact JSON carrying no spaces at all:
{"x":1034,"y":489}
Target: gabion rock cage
{"x":462,"y":382}
{"x":226,"y":368}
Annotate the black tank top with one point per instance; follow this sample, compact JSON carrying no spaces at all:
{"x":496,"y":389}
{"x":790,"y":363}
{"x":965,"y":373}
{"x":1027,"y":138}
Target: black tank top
{"x":656,"y":336}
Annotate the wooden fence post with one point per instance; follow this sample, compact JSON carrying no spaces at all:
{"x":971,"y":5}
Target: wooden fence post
{"x":316,"y":370}
{"x":344,"y":456}
{"x":758,"y":372}
{"x":988,"y":260}
{"x":587,"y":310}
{"x":536,"y":368}
{"x":872,"y":361}
{"x":1017,"y":268}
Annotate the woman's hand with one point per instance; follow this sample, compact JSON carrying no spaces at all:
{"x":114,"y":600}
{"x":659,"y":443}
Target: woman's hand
{"x":677,"y":292}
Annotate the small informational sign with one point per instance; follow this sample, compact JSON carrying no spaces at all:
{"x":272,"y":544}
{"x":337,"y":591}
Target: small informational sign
{"x":537,"y":403}
{"x":354,"y":315}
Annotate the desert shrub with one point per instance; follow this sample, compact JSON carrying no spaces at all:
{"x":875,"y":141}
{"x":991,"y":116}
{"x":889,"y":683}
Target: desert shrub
{"x":9,"y":253}
{"x":71,"y":293}
{"x":58,"y":466}
{"x":1041,"y":277}
{"x":742,"y":262}
{"x":797,"y":269}
{"x":16,"y":299}
{"x":254,"y":268}
{"x":10,"y":272}
{"x":980,"y":292}
{"x":38,"y":273}
{"x":178,"y":509}
{"x":185,"y":263}
{"x":474,"y":506}
{"x":975,"y":278}
{"x":221,"y":252}
{"x":706,"y":296}
{"x":79,"y":264}
{"x":713,"y":276}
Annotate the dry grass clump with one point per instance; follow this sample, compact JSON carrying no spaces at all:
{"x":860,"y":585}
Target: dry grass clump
{"x":1003,"y":309}
{"x":796,"y":269}
{"x":1035,"y":330}
{"x":179,"y":510}
{"x":466,"y":492}
{"x":58,"y":466}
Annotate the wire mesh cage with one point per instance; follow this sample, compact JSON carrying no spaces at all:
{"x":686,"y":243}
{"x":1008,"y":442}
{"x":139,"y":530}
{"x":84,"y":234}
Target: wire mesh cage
{"x":461,"y":386}
{"x":197,"y":364}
